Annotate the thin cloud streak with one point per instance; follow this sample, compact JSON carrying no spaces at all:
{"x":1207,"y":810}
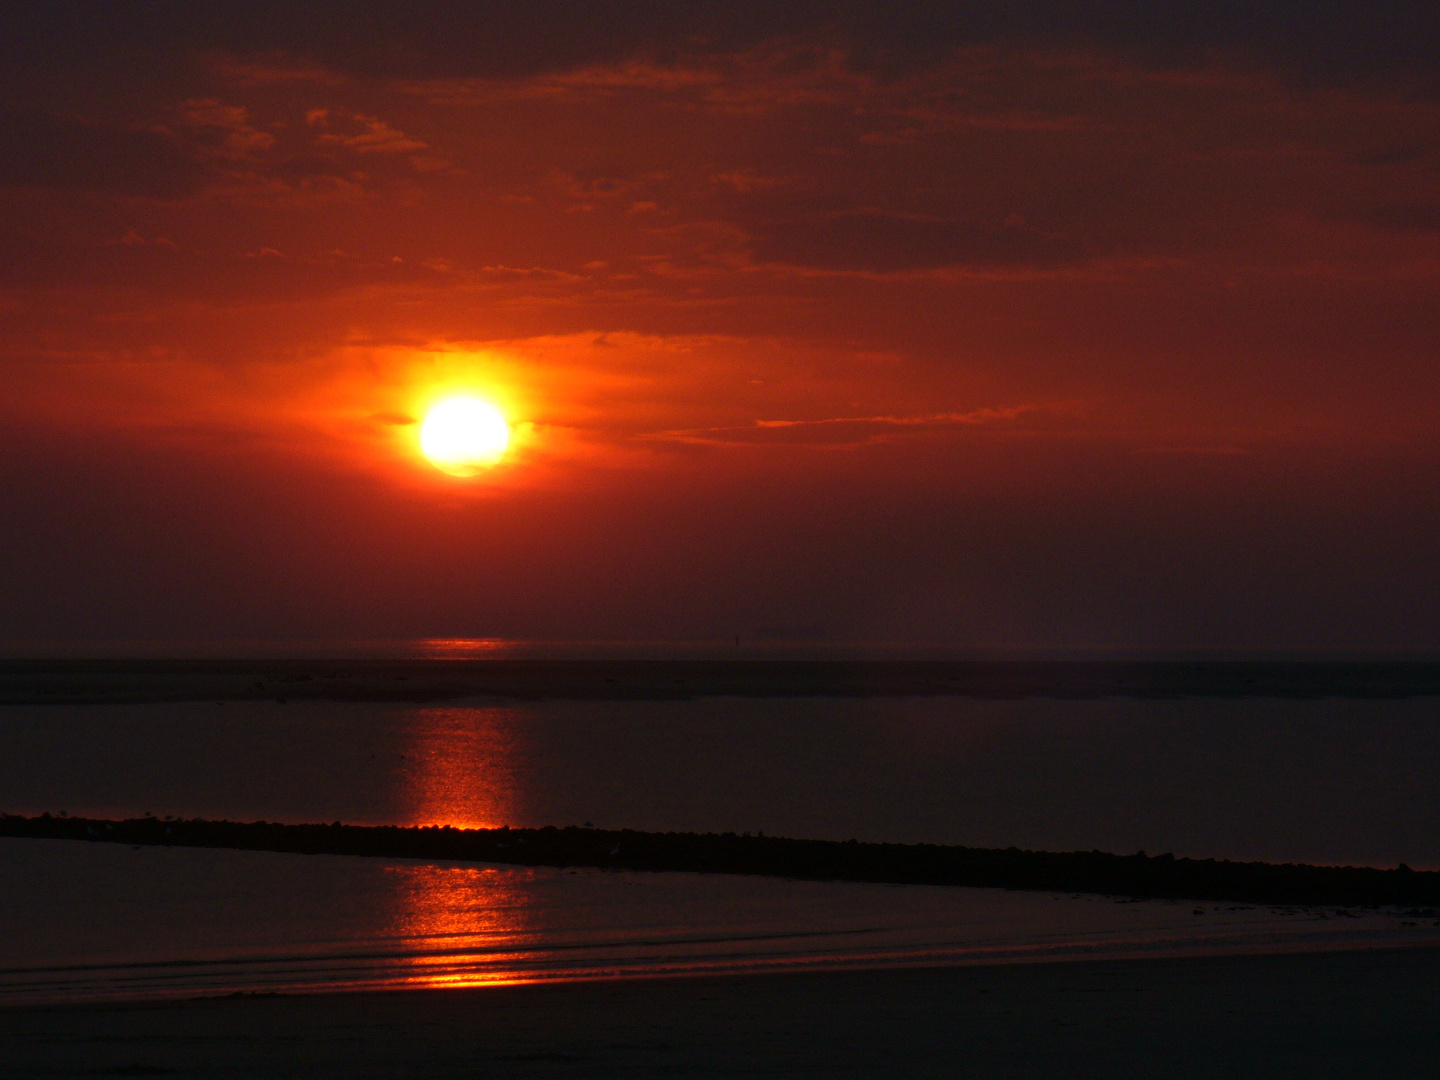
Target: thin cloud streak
{"x":870,"y":427}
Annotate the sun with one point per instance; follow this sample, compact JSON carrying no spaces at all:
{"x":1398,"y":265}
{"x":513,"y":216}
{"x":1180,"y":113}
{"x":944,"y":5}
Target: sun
{"x":463,"y":436}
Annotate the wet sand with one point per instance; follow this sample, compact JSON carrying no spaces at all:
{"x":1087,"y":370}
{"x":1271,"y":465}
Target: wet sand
{"x":1317,"y":1015}
{"x":28,"y":682}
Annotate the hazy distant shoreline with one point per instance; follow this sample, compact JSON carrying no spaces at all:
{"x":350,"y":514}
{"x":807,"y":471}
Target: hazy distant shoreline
{"x":98,"y":681}
{"x":1138,"y":875}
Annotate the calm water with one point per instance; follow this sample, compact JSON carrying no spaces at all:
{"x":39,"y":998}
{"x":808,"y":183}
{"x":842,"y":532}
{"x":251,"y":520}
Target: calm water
{"x":1324,"y":781}
{"x":104,"y":921}
{"x":1328,"y":781}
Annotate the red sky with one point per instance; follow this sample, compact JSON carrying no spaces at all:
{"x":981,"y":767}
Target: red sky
{"x":982,"y":324}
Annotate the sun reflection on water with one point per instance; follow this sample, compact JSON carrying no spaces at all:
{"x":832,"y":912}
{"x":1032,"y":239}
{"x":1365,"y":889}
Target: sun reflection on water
{"x":463,"y":925}
{"x":460,"y":767}
{"x":462,"y":648}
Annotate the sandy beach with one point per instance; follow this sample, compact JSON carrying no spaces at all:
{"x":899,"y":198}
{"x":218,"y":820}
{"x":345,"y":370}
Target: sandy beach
{"x":1315,"y":1015}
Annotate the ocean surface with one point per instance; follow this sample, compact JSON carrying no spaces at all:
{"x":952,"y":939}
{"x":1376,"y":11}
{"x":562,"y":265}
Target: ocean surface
{"x":1331,"y":781}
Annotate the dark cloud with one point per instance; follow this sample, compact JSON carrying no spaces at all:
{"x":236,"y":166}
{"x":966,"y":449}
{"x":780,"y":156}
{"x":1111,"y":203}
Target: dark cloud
{"x":1312,"y":39}
{"x":30,"y":259}
{"x":1408,"y":218}
{"x":38,"y":150}
{"x":1395,"y":155}
{"x":889,"y":243}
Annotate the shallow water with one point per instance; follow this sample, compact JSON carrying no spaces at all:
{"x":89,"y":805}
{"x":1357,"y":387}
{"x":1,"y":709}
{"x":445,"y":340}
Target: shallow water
{"x":104,"y":921}
{"x":1325,"y":781}
{"x":1333,"y":781}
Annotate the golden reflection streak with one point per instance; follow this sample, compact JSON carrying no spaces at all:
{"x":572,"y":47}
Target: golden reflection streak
{"x":468,"y":926}
{"x":461,"y":767}
{"x":461,"y":648}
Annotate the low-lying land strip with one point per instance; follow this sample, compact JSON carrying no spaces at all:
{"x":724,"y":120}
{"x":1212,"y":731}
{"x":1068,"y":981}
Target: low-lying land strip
{"x":1138,"y":875}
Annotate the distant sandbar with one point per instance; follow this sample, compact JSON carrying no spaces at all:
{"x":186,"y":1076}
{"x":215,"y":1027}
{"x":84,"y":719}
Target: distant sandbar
{"x":1137,"y":875}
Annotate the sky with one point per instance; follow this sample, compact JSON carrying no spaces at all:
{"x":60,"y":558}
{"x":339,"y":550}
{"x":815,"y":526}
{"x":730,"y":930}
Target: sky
{"x":1033,"y":324}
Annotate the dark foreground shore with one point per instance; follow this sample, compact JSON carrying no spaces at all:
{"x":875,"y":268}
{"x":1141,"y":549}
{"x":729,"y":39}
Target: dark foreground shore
{"x":116,"y":681}
{"x":1316,"y":1016}
{"x":1137,"y":875}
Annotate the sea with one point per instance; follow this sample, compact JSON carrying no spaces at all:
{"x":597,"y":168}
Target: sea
{"x":1332,"y":781}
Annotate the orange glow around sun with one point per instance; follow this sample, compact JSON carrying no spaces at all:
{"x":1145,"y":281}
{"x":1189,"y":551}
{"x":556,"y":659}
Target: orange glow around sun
{"x":464,"y":436}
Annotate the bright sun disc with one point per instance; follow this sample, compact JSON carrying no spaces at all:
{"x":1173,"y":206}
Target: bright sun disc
{"x":463,"y":436}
